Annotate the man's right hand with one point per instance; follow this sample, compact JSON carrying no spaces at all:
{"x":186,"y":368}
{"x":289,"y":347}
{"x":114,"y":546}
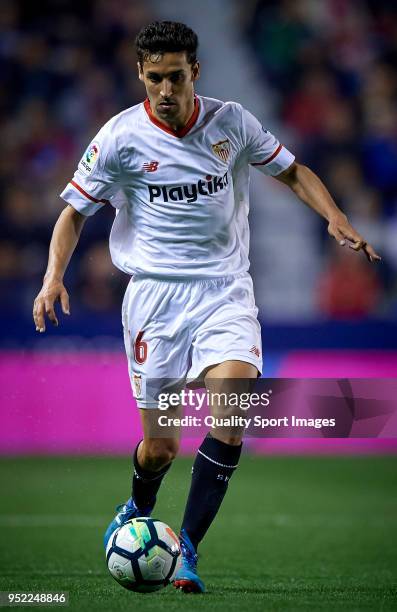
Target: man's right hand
{"x":52,"y":291}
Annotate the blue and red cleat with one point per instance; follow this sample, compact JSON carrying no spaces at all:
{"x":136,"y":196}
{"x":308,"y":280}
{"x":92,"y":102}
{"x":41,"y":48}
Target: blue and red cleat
{"x":186,"y":578}
{"x":125,"y":512}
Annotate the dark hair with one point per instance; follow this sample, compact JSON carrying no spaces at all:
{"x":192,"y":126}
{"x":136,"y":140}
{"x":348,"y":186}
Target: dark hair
{"x":166,"y":37}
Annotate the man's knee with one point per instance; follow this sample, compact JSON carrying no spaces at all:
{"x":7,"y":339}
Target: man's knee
{"x":158,"y":452}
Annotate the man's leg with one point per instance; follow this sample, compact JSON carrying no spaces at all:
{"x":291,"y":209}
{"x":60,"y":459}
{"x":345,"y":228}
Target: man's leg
{"x":215,"y":462}
{"x":152,"y":460}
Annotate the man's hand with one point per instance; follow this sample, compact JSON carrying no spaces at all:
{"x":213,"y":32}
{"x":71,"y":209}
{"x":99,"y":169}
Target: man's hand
{"x":309,"y":188}
{"x":340,"y":228}
{"x":52,"y":291}
{"x":64,"y":239}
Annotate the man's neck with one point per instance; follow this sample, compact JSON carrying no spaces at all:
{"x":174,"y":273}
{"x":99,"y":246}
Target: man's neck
{"x":179,"y":123}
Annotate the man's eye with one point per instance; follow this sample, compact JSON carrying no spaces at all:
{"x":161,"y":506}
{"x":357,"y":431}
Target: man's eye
{"x":177,"y":78}
{"x":154,"y":79}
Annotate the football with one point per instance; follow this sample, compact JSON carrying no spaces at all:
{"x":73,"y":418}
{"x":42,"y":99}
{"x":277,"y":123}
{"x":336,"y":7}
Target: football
{"x":143,"y":555}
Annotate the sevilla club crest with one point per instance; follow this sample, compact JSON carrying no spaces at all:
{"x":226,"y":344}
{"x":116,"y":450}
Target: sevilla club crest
{"x":137,"y":381}
{"x":222,"y":149}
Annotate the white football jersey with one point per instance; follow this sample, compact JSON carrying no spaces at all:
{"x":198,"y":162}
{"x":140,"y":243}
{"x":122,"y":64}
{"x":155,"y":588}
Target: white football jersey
{"x":181,"y":198}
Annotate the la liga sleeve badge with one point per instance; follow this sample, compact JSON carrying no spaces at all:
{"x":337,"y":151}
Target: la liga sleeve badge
{"x":89,"y":159}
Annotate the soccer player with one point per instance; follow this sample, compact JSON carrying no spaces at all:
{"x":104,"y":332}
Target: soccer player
{"x":176,"y":170}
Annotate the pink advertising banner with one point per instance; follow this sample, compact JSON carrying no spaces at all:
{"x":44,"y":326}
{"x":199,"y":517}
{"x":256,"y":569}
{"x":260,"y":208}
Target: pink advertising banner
{"x":81,"y":402}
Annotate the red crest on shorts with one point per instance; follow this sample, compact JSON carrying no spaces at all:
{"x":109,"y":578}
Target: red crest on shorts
{"x":222,"y":149}
{"x":137,"y":380}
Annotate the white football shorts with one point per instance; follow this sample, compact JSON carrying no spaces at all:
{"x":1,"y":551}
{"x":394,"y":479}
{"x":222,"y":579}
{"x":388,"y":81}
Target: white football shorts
{"x":176,"y":329}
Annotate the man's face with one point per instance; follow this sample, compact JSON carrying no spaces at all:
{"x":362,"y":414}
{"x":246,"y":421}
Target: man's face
{"x":169,"y":80}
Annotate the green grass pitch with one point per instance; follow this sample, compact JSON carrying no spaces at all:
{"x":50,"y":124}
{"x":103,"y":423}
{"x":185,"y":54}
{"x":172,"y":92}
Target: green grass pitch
{"x":308,"y":533}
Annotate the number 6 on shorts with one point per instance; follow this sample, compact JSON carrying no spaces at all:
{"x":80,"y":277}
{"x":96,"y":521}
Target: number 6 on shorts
{"x":140,"y":349}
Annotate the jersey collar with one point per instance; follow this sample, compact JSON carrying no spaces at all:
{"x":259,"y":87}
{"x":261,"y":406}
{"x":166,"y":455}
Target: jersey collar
{"x":182,"y":131}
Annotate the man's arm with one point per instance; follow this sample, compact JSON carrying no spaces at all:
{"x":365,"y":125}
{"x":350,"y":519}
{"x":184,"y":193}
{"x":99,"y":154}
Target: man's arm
{"x":64,"y":239}
{"x":310,"y":189}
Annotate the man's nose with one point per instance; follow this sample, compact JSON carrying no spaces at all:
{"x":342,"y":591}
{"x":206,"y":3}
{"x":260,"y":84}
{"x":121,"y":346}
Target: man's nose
{"x":166,"y":89}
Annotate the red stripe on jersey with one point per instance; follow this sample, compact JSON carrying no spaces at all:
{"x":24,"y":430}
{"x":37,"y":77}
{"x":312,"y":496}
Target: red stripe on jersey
{"x":87,"y":195}
{"x":269,"y":159}
{"x":182,"y":131}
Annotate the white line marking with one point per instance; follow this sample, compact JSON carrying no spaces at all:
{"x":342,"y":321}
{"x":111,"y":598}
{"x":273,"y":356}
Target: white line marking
{"x":53,"y":520}
{"x":313,"y":520}
{"x":260,"y":519}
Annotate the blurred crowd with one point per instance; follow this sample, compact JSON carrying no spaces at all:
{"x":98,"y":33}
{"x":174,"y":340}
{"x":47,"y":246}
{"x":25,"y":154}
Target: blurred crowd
{"x":67,"y":67}
{"x":332,"y":67}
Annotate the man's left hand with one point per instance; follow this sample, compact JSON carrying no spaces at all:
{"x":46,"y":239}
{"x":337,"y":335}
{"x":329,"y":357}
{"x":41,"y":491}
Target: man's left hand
{"x":340,"y":228}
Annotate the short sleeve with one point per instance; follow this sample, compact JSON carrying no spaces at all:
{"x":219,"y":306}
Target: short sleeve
{"x":263,"y":149}
{"x":97,"y":177}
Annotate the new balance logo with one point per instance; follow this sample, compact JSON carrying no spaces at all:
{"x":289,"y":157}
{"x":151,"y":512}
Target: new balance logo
{"x":254,"y":349}
{"x":150,"y":166}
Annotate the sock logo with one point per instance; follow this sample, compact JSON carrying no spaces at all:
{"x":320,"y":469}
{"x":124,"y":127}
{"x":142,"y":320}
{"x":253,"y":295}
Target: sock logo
{"x":190,"y":193}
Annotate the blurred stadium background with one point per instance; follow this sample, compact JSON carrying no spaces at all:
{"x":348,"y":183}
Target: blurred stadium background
{"x":321,"y":75}
{"x":316,"y":533}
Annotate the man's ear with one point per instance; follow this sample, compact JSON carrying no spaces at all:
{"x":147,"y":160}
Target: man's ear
{"x":140,"y":73}
{"x":195,"y":71}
